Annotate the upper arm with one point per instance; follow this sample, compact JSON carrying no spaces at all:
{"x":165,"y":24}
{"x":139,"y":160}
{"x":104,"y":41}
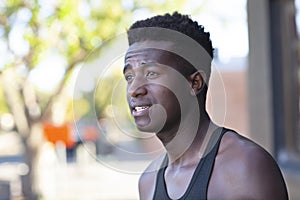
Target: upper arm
{"x":244,"y":170}
{"x":147,"y":180}
{"x":145,"y":185}
{"x":264,"y":177}
{"x":258,"y":177}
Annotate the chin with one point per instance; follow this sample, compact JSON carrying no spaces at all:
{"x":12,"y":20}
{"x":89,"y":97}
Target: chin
{"x":145,"y":129}
{"x":148,"y":127}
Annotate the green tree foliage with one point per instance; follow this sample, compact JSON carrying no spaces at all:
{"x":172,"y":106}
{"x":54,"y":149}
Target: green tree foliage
{"x":71,"y":29}
{"x":31,"y":30}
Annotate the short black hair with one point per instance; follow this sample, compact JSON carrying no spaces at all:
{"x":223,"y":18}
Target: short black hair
{"x":177,"y":22}
{"x":183,"y":24}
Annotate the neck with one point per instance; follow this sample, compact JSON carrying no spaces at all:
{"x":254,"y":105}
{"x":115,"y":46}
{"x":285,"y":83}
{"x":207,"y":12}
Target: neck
{"x":187,"y":143}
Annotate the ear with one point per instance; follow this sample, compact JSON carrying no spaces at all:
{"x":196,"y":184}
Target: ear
{"x":197,"y":80}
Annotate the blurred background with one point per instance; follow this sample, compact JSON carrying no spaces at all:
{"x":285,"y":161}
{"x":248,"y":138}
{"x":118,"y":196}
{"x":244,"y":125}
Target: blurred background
{"x":65,"y":134}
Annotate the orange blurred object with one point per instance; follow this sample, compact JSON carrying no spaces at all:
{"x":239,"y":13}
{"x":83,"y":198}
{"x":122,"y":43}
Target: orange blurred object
{"x":62,"y":133}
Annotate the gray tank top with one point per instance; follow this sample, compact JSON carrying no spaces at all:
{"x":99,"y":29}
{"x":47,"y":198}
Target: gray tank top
{"x":198,"y":185}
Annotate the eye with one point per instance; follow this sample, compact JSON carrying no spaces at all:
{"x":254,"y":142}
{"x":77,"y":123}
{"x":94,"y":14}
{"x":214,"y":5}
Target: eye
{"x":128,"y":77}
{"x":151,"y":74}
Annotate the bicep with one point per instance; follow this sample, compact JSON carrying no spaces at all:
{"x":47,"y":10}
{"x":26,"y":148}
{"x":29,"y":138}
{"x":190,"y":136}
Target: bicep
{"x":268,"y":182}
{"x":147,"y":180}
{"x":262,"y":178}
{"x":147,"y":186}
{"x":141,"y":186}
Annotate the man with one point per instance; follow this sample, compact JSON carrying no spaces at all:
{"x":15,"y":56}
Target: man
{"x":167,"y":68}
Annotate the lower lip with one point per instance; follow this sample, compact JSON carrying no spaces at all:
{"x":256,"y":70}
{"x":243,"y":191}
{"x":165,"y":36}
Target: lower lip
{"x":140,"y":113}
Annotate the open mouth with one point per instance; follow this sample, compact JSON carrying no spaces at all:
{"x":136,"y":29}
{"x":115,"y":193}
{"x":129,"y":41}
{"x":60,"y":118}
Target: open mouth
{"x":140,"y":110}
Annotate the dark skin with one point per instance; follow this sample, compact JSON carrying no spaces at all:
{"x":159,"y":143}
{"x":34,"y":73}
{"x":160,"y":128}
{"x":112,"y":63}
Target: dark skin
{"x":242,"y":169}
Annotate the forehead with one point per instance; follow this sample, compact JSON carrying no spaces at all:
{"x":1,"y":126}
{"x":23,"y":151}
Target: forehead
{"x":155,"y":51}
{"x":150,"y":44}
{"x":149,"y":50}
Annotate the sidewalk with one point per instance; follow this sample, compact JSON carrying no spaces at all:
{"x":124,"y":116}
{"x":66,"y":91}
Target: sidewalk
{"x":87,"y":179}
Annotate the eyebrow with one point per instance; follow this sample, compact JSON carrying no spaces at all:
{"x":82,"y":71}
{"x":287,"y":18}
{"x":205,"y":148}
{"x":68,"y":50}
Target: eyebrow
{"x":144,"y":64}
{"x":153,"y":64}
{"x":126,"y":67}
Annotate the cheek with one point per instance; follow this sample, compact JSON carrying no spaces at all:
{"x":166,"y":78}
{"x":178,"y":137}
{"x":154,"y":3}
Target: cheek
{"x":169,"y":98}
{"x":170,"y":101}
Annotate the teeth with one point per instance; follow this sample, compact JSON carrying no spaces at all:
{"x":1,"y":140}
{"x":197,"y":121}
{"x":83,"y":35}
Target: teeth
{"x":141,"y":108}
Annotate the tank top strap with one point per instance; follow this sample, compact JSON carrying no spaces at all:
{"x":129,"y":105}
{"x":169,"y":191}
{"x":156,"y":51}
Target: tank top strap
{"x":204,"y":170}
{"x":160,"y":192}
{"x":198,"y":185}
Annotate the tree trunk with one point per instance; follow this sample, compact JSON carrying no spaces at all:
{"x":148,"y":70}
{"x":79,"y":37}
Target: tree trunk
{"x":12,"y":89}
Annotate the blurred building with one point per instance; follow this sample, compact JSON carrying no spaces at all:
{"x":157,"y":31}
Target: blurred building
{"x":273,"y":77}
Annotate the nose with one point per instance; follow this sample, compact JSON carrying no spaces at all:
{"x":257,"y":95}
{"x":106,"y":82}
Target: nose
{"x":137,"y":88}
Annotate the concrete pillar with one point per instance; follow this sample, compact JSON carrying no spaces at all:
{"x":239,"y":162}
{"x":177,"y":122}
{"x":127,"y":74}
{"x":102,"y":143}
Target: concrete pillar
{"x":259,"y":74}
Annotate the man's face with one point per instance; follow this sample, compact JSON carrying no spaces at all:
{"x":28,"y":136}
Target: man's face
{"x":153,"y":86}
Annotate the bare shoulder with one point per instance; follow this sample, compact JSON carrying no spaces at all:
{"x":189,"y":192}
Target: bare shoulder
{"x":243,"y":169}
{"x":147,"y":180}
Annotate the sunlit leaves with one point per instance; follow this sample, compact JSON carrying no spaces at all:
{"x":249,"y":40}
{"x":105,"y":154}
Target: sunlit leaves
{"x":70,"y":28}
{"x":3,"y":105}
